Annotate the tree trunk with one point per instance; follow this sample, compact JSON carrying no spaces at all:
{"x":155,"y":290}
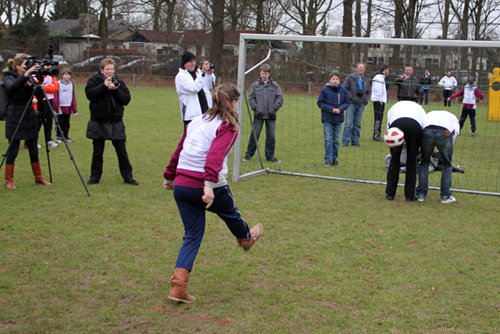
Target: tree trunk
{"x":398,"y":26}
{"x":445,"y":26}
{"x":346,"y":32}
{"x":217,"y":32}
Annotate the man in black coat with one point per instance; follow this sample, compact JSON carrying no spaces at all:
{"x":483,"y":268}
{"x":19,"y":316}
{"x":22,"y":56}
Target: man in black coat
{"x":108,"y":95}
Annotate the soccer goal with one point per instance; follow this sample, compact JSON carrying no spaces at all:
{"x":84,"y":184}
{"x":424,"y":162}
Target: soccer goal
{"x":302,"y":65}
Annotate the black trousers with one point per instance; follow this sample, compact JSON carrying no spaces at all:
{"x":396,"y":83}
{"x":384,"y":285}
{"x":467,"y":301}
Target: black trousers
{"x":378,"y":109}
{"x":14,"y":150}
{"x":63,"y":120}
{"x":45,"y":119}
{"x":413,"y":139}
{"x":121,"y":153}
{"x":446,"y":95}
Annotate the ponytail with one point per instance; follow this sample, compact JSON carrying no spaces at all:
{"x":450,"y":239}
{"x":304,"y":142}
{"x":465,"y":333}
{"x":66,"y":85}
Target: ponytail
{"x":223,"y":97}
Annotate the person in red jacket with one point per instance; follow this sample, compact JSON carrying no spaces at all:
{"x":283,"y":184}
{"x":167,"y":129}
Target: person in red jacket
{"x":469,"y":92}
{"x":45,"y":116}
{"x":197,"y":174}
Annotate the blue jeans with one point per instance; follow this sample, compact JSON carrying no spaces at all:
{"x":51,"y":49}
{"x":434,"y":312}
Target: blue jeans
{"x":270,"y":137}
{"x":443,"y":141}
{"x":426,"y":93}
{"x":352,"y":127}
{"x":192,"y":210}
{"x":331,"y":132}
{"x":472,"y":116}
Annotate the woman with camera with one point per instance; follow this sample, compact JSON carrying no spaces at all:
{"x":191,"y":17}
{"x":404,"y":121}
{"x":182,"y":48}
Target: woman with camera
{"x":108,"y":95}
{"x":19,"y":85}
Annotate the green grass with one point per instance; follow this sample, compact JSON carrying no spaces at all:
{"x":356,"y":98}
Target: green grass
{"x":335,"y":257}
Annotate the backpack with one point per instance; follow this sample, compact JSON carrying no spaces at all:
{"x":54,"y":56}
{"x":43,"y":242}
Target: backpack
{"x":3,"y":102}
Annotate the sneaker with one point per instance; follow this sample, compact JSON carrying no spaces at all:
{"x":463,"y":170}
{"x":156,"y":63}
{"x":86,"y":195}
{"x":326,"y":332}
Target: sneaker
{"x":327,"y":164}
{"x":451,"y":199}
{"x":39,"y":146}
{"x":69,"y":140}
{"x":345,"y":145}
{"x":59,"y":140}
{"x":335,"y":163}
{"x":274,"y":160}
{"x":50,"y":143}
{"x":389,"y":197}
{"x":245,"y":159}
{"x":356,"y":144}
{"x":420,"y":199}
{"x":473,"y":134}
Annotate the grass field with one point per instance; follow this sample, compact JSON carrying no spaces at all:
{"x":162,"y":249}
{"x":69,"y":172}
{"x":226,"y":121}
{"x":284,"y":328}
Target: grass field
{"x":335,"y":257}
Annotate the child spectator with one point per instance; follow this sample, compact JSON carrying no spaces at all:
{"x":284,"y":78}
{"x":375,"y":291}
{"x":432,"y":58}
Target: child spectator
{"x":65,"y":105}
{"x":333,"y":100}
{"x":470,"y":92}
{"x":265,"y":99}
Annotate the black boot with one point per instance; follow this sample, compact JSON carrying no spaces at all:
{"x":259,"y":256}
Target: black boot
{"x":376,"y":131}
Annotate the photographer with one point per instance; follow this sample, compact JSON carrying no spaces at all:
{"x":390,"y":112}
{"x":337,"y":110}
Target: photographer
{"x":210,"y":83}
{"x":408,"y":86}
{"x":108,"y":95}
{"x":192,"y":86}
{"x":19,"y":86}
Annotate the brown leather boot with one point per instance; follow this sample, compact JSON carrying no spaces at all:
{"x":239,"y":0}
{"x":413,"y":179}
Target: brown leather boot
{"x":9,"y":177}
{"x":179,"y":292}
{"x":37,"y":171}
{"x":255,"y":233}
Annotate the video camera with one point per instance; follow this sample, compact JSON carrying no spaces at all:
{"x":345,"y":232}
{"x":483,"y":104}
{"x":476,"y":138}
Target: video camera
{"x":46,"y":61}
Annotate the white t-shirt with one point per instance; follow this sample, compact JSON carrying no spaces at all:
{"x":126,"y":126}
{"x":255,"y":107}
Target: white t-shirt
{"x":406,"y":109}
{"x":443,"y":119}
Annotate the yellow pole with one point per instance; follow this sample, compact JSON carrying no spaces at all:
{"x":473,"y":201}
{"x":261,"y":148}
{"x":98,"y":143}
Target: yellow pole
{"x":494,"y":96}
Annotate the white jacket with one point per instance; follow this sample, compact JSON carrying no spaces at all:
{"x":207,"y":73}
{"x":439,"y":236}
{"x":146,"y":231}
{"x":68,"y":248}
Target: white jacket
{"x":188,"y":89}
{"x":379,"y":90}
{"x":448,"y":82}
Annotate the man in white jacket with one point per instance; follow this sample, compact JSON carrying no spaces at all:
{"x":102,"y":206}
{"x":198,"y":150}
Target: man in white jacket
{"x":379,"y":99}
{"x":193,"y":85}
{"x":448,"y":82}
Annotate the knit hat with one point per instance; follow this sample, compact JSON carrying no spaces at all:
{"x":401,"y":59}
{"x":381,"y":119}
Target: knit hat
{"x":187,"y":57}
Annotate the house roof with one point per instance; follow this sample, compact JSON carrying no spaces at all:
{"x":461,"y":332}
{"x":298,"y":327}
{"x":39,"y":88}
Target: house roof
{"x":72,"y":26}
{"x":187,"y":36}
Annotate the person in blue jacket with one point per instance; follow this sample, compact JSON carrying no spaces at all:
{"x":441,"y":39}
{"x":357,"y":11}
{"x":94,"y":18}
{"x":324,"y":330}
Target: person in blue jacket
{"x":333,"y":100}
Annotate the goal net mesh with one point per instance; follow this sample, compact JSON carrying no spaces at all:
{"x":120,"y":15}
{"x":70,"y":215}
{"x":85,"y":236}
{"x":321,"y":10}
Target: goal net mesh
{"x":303,"y":67}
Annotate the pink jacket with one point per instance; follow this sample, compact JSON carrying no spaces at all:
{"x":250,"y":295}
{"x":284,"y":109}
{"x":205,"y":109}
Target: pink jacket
{"x":461,"y":92}
{"x":65,"y":110}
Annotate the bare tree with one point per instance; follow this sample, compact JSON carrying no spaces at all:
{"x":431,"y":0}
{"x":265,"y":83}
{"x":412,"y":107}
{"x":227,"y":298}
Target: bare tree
{"x":461,"y":10}
{"x":204,"y":9}
{"x":444,"y":13}
{"x":485,"y":15}
{"x":307,"y":14}
{"x":217,"y":44}
{"x":237,"y":13}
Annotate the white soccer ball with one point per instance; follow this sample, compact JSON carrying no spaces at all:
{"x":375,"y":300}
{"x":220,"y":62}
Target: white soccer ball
{"x":394,"y":137}
{"x":440,"y":84}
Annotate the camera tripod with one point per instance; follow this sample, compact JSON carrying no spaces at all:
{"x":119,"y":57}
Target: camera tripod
{"x":38,"y":88}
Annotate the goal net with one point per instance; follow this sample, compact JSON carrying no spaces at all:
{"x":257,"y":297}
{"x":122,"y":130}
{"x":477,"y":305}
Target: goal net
{"x":302,"y":66}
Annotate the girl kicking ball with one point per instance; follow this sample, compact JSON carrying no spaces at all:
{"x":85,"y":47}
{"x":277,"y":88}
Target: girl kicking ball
{"x":197,"y":174}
